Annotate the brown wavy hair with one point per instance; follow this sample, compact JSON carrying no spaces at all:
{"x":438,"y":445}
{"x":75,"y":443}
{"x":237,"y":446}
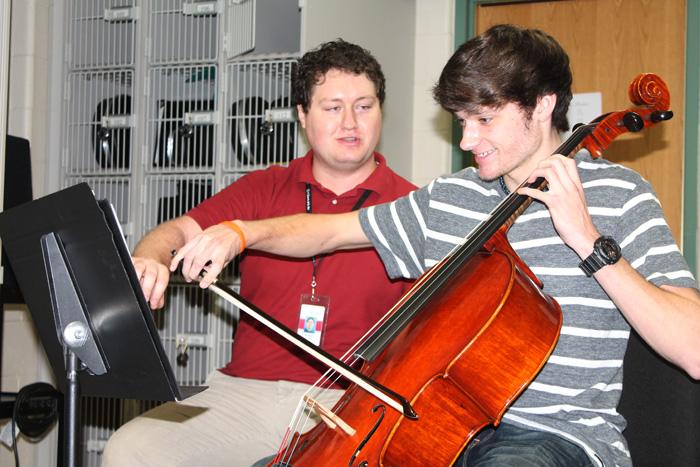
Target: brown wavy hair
{"x":339,"y":55}
{"x":507,"y":64}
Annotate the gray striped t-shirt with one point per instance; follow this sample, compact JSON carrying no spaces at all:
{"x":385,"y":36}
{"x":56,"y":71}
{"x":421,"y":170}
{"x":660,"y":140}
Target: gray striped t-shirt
{"x":577,"y":392}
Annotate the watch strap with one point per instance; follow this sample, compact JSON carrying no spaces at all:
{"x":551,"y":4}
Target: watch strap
{"x":605,"y":251}
{"x":591,"y":264}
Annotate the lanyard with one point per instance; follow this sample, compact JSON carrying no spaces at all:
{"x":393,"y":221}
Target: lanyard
{"x":315,"y":263}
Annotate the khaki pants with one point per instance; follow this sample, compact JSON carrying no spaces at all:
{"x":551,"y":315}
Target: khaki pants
{"x":235,"y":422}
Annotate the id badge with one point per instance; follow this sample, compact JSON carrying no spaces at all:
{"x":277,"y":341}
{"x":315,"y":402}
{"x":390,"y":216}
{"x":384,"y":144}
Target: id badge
{"x":312,"y":317}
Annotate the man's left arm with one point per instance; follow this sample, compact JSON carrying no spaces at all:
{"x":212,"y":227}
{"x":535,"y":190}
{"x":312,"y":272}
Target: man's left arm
{"x":667,"y":317}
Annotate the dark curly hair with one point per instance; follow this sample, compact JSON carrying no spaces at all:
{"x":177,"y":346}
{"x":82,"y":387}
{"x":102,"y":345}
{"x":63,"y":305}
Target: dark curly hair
{"x":339,"y":55}
{"x":507,"y":64}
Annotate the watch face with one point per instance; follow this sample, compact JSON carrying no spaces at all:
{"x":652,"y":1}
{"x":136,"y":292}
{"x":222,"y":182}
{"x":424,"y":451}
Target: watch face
{"x":608,"y":249}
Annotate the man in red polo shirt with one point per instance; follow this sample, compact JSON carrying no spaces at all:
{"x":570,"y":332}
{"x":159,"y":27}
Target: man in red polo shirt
{"x":339,"y":91}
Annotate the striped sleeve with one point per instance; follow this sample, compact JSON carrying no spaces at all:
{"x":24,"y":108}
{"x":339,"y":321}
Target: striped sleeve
{"x":647,"y":242}
{"x":397,"y":230}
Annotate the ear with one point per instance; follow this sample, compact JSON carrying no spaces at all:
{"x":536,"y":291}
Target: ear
{"x":302,"y":115}
{"x":545,"y":107}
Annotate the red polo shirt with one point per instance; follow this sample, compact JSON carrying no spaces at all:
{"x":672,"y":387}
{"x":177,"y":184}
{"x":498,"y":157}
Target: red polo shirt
{"x":360,"y":291}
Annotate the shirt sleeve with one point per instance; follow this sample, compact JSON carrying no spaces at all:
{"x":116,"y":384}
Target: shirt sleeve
{"x":243,"y":199}
{"x":647,"y":242}
{"x":398,"y":232}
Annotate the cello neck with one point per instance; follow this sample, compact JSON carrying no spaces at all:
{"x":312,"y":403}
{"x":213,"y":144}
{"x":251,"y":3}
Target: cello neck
{"x":501,"y":217}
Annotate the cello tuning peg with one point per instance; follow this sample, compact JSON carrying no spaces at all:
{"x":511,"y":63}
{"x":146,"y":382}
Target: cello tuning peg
{"x":633,"y":122}
{"x":661,"y":115}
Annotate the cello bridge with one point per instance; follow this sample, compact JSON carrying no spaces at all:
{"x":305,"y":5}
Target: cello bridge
{"x":328,"y":416}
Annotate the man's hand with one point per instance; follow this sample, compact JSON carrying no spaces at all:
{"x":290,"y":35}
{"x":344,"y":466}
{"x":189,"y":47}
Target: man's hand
{"x":153,"y":277}
{"x":211,"y":250}
{"x":566,"y":202}
{"x":296,"y":236}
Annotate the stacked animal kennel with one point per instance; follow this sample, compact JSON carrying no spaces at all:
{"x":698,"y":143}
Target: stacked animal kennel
{"x":165,"y":103}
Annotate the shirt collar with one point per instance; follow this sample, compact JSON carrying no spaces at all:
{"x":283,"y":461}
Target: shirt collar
{"x":375,"y":182}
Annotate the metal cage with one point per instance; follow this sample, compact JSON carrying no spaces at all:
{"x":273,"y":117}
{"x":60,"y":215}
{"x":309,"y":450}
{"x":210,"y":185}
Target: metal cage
{"x":162,"y":110}
{"x":101,"y":33}
{"x":99,"y":124}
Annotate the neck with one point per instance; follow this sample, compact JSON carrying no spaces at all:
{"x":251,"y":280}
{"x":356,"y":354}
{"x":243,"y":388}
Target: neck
{"x":340,"y":180}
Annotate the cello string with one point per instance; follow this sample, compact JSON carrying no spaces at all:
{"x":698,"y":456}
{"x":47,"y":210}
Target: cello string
{"x":507,"y":208}
{"x":509,"y":204}
{"x":331,"y":377}
{"x":302,"y":415}
{"x":301,"y":421}
{"x":291,"y":446}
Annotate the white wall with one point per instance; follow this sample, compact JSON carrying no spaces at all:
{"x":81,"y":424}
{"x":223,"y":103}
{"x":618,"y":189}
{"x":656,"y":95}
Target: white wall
{"x":4,"y":80}
{"x":23,"y":359}
{"x":432,"y":127}
{"x":29,"y":85}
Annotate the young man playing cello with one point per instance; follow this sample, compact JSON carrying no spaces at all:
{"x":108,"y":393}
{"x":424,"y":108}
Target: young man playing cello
{"x":597,"y":239}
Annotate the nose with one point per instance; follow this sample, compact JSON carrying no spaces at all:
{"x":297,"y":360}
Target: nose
{"x":470,"y":135}
{"x":349,"y":119}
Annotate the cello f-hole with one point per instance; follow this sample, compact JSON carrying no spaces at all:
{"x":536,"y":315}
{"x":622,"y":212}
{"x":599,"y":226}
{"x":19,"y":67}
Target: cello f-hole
{"x":369,"y":435}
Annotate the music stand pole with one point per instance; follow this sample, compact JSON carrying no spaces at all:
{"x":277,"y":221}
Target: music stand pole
{"x":71,"y":410}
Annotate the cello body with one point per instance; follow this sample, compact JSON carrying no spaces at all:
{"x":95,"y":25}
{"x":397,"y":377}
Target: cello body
{"x":461,"y":362}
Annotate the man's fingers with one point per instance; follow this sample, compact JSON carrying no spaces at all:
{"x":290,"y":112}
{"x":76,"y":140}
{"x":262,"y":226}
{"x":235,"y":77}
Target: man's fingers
{"x":157,"y":297}
{"x":210,"y":274}
{"x":148,"y":280}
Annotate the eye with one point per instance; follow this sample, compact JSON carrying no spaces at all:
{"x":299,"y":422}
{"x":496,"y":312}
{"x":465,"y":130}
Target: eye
{"x":334,"y":108}
{"x":485,"y":120}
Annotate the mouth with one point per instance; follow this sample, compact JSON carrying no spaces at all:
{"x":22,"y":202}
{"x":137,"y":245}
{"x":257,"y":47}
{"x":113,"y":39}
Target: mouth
{"x":484,"y":154}
{"x":349,"y":141}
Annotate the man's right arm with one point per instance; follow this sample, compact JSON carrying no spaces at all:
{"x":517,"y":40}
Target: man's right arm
{"x":299,"y":236}
{"x":153,"y":254}
{"x":306,"y":235}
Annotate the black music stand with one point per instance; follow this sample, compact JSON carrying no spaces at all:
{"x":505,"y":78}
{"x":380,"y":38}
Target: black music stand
{"x":75,"y":272}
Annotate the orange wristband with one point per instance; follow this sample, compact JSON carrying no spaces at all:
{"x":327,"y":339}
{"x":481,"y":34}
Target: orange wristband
{"x":233,"y":226}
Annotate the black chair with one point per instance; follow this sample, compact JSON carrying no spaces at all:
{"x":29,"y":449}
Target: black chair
{"x":662,"y":407}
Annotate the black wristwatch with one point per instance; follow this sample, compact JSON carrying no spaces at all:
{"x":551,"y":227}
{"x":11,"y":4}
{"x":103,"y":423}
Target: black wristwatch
{"x":605,"y":251}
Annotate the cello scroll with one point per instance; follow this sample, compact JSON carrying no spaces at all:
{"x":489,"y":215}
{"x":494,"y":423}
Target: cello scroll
{"x":651,"y":96}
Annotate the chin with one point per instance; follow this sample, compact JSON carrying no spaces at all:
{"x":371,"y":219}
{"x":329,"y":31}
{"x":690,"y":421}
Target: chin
{"x":486,"y":176}
{"x":356,"y":159}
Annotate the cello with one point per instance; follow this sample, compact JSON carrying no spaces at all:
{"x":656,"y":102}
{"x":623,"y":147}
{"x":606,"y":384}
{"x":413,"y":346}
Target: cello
{"x":501,"y":328}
